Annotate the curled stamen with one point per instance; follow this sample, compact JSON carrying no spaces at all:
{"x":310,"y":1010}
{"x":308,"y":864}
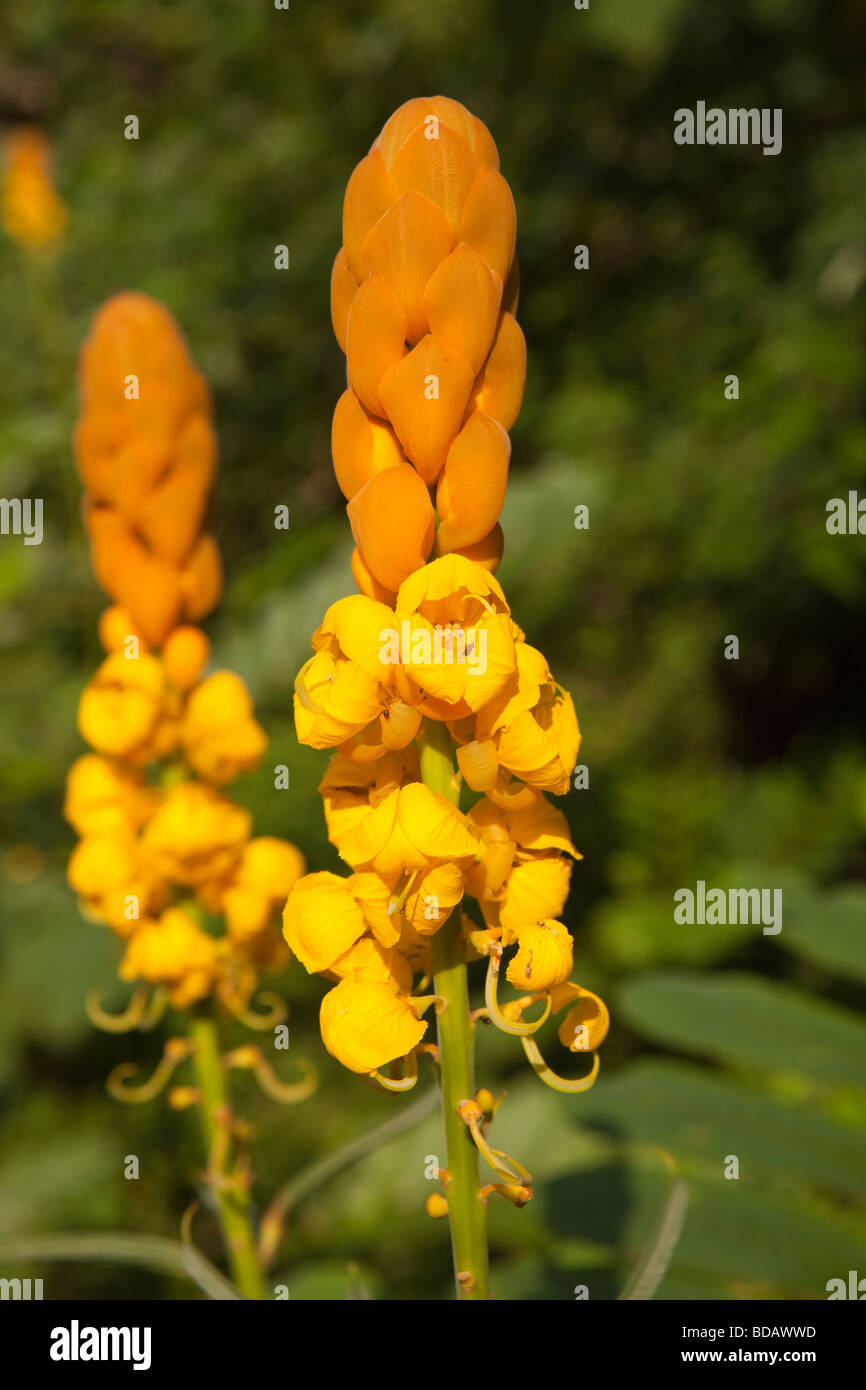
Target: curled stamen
{"x":502,"y":1164}
{"x":512,"y":1192}
{"x":494,"y":1012}
{"x":174,"y":1052}
{"x":155,"y":1010}
{"x":401,"y":1083}
{"x":261,"y":1023}
{"x":123,"y":1022}
{"x":249,"y":1058}
{"x":550,"y":1077}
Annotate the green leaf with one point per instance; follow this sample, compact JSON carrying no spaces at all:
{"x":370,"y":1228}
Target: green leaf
{"x":742,"y":1019}
{"x":829,"y":930}
{"x":695,"y":1114}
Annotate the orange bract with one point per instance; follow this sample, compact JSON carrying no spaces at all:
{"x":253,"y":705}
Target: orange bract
{"x":422,"y":298}
{"x":147,"y":454}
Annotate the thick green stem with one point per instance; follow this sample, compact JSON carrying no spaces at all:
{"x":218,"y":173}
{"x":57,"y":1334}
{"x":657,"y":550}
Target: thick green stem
{"x":466,"y":1211}
{"x":233,"y":1202}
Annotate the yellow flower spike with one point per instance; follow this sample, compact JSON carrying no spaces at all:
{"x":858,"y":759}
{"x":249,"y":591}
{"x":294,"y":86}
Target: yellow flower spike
{"x":512,"y":1192}
{"x":399,"y":1083}
{"x":249,"y":1058}
{"x":436,"y":1206}
{"x":262,"y":1022}
{"x":183,"y":1097}
{"x":494,"y":1012}
{"x":176,"y":1050}
{"x":551,"y":1078}
{"x":502,"y":1164}
{"x":123,"y":1022}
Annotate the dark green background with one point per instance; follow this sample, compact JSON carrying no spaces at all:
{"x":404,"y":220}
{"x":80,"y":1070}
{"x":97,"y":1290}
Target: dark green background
{"x":707,"y":518}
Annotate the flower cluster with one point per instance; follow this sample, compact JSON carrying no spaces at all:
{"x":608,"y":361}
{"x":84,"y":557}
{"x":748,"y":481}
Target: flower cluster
{"x":161,"y":846}
{"x":423,"y":295}
{"x":31,"y":210}
{"x":414,"y":855}
{"x":147,"y":454}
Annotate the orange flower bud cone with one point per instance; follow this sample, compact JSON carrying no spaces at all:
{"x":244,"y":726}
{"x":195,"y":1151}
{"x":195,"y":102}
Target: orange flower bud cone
{"x":471,"y":488}
{"x":422,"y":299}
{"x":393,"y":524}
{"x":147,"y":454}
{"x":361,"y":444}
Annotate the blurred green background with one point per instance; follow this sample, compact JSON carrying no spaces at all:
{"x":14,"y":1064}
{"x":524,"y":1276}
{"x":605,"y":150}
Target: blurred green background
{"x":707,"y":518}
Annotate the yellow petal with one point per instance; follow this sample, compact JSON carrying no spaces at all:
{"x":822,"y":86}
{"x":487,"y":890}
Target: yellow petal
{"x":544,"y":957}
{"x":321,"y":920}
{"x":366,"y":1024}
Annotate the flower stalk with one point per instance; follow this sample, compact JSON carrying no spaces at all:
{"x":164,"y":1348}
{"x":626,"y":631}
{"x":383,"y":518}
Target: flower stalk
{"x":466,"y":1211}
{"x":229,"y":1186}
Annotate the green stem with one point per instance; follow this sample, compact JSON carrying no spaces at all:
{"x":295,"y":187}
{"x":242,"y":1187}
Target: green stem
{"x":466,"y":1211}
{"x":233,"y":1203}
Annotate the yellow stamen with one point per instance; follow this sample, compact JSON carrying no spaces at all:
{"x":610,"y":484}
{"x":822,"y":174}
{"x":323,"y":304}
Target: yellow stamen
{"x":550,"y":1077}
{"x":519,"y":1030}
{"x":262,"y":1023}
{"x":174,"y":1052}
{"x":403,"y":1083}
{"x":249,"y":1058}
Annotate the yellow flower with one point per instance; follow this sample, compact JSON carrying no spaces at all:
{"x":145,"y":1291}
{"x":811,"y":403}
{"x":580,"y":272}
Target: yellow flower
{"x":523,"y":875}
{"x":455,"y":637}
{"x":334,"y":699}
{"x":433,"y":898}
{"x":185,"y":656}
{"x":321,"y":920}
{"x":349,"y":788}
{"x":413,"y":828}
{"x":373,"y":896}
{"x":174,"y":952}
{"x":123,"y":706}
{"x":104,"y":797}
{"x":268,"y":870}
{"x":33,"y":213}
{"x":196,"y":835}
{"x":219,"y":734}
{"x":368,"y":960}
{"x":114,"y":881}
{"x":366,"y":1023}
{"x":533,"y":725}
{"x":544,"y":957}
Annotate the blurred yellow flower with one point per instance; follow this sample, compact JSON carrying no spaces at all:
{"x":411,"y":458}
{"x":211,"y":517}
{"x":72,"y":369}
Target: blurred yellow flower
{"x":196,"y":835}
{"x":174,"y":952}
{"x":31,"y":210}
{"x":218,"y":731}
